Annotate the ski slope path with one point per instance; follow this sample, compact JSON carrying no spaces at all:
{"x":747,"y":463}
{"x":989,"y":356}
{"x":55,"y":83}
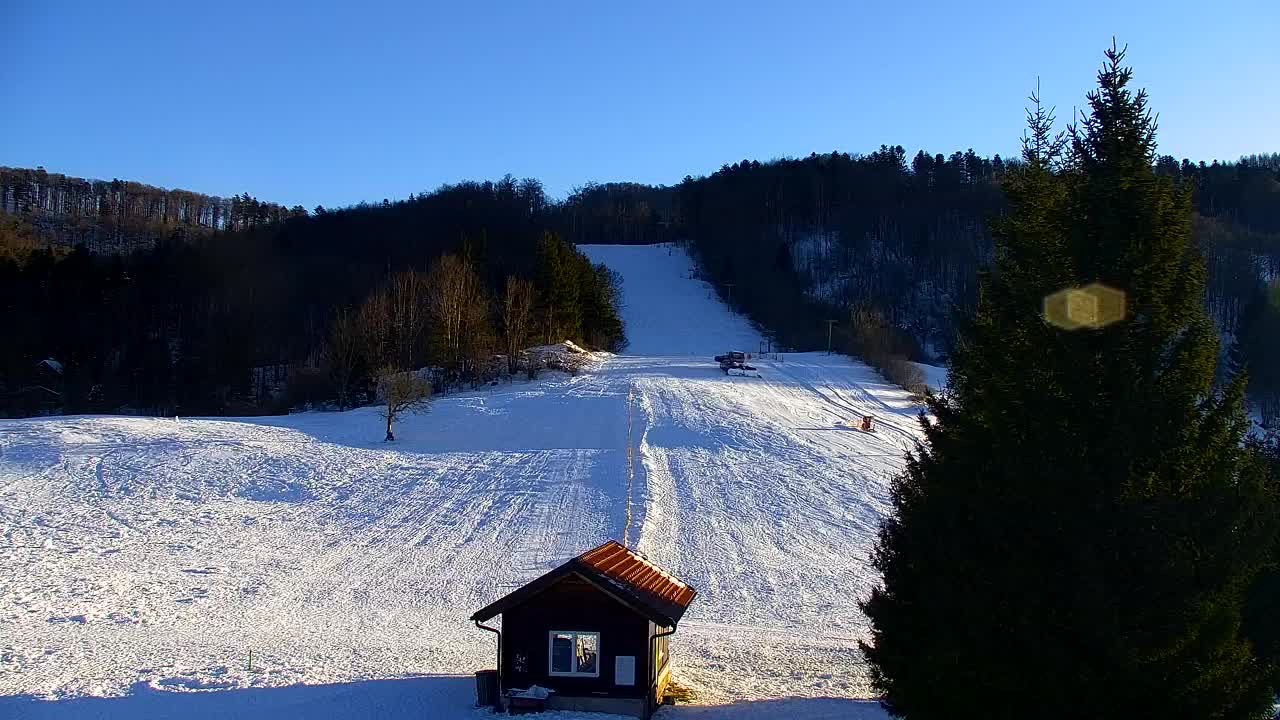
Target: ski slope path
{"x":142,"y":559}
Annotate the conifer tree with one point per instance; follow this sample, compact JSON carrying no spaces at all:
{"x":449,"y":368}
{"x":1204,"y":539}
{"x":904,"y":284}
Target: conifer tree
{"x":1257,"y":348}
{"x":1077,"y":534}
{"x":1262,"y":611}
{"x":601,"y":325}
{"x":562,"y":313}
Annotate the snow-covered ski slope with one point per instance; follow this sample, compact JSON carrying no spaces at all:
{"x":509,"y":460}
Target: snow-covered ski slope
{"x":667,"y":311}
{"x":143,"y":558}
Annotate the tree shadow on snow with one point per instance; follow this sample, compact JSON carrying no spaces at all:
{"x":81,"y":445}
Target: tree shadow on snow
{"x":437,"y":697}
{"x":424,"y":698}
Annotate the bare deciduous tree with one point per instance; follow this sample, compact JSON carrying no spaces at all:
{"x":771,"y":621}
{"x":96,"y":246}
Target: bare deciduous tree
{"x":375,"y":329}
{"x":393,"y":322}
{"x":459,"y":309}
{"x":402,"y":391}
{"x":407,"y":304}
{"x":517,"y":316}
{"x":880,"y":348}
{"x":345,"y":352}
{"x":393,"y":327}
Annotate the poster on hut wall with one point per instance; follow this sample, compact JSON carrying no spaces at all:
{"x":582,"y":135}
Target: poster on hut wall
{"x":624,"y":670}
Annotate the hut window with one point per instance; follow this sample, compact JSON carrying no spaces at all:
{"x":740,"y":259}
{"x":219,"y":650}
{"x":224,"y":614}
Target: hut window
{"x":574,"y":653}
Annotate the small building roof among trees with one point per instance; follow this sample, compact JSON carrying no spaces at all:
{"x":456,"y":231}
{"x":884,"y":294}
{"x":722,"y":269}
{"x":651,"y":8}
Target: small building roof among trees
{"x":630,"y":577}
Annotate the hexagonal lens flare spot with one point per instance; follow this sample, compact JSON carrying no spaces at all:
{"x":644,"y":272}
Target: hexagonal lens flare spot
{"x":1090,"y":307}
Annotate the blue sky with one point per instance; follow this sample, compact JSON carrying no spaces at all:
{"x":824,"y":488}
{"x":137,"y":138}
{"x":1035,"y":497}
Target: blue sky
{"x":333,"y":103}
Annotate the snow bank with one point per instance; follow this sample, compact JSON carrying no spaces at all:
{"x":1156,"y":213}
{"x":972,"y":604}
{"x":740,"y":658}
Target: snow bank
{"x":566,"y":356}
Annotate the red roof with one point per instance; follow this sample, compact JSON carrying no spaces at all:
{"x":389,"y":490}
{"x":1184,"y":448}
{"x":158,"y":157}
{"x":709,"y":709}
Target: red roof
{"x":637,"y":571}
{"x":626,"y":574}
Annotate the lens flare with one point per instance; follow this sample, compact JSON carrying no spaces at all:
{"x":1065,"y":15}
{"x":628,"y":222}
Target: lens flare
{"x":1090,"y":307}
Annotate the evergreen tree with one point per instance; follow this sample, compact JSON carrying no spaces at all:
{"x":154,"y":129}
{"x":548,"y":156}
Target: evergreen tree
{"x":598,"y":293}
{"x":562,"y":312}
{"x":1077,"y":534}
{"x":1257,"y":348}
{"x":1262,"y":613}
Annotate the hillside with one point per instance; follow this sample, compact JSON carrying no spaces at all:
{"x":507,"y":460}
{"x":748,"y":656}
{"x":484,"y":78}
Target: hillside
{"x":904,"y":240}
{"x":147,"y":557}
{"x":183,"y":300}
{"x":243,"y":323}
{"x":46,"y":209}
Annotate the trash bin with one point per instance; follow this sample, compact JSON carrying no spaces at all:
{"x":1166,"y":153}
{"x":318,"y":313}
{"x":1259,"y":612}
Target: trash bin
{"x":487,"y":688}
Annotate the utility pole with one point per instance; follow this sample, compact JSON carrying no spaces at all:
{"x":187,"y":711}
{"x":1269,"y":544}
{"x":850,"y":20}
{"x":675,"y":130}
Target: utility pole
{"x":730,"y":300}
{"x":830,"y":324}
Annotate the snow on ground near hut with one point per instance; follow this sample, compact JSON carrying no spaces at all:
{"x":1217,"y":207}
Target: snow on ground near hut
{"x":143,"y":559}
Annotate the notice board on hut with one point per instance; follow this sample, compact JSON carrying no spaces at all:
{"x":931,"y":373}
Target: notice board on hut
{"x":624,"y":670}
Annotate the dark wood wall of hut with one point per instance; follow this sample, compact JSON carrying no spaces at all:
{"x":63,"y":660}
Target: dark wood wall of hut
{"x":573,"y":604}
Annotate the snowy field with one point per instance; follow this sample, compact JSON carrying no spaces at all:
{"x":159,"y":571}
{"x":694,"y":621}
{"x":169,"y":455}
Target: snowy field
{"x":143,"y":559}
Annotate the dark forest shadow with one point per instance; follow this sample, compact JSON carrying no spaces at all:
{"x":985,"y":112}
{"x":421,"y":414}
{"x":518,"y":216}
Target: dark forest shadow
{"x":824,"y":708}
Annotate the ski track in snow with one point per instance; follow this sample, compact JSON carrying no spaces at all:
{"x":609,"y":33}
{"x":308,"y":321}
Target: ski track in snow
{"x":147,"y":557}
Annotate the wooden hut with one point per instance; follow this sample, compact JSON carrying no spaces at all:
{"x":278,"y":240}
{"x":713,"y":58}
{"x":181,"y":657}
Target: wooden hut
{"x":593,"y":631}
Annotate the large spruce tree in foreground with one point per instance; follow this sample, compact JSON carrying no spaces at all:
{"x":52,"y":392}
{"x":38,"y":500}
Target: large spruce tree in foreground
{"x":1076,"y":536}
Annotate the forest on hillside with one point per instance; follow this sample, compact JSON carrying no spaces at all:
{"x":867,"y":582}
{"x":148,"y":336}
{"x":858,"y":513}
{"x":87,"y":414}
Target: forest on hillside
{"x":309,"y":309}
{"x":44,"y":208}
{"x":892,"y":249}
{"x":906,"y":240}
{"x":215,"y":293}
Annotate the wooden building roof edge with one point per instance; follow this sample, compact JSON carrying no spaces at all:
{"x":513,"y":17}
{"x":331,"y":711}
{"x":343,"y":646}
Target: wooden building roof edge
{"x":659,"y":607}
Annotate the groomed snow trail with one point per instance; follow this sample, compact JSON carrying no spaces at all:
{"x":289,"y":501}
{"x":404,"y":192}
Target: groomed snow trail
{"x":759,"y":492}
{"x":146,"y":557}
